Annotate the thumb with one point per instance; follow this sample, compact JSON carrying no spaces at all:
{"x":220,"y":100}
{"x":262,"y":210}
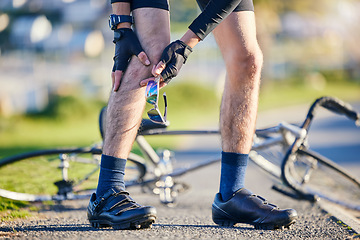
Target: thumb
{"x":143,"y":58}
{"x":158,"y":68}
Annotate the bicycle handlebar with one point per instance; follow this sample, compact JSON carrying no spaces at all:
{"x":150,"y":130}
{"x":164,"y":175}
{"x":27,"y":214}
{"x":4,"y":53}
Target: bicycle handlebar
{"x":336,"y":106}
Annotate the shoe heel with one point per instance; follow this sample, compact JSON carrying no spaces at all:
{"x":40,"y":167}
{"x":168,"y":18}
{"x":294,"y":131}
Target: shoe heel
{"x":221,"y":219}
{"x":224,"y":223}
{"x":99,"y":225}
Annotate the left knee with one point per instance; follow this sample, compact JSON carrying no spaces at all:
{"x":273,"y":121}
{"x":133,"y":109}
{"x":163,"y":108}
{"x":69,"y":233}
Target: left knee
{"x":248,"y":64}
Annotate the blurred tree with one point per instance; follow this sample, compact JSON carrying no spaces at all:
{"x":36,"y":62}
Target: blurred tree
{"x":183,"y":11}
{"x":310,"y":35}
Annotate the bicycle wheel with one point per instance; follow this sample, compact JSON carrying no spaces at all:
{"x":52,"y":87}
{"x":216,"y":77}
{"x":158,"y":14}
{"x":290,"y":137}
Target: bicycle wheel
{"x":57,"y":174}
{"x":309,"y":173}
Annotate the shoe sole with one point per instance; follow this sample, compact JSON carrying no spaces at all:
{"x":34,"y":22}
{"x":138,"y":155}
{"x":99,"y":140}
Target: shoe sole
{"x":274,"y":226}
{"x":229,"y":223}
{"x":139,"y":223}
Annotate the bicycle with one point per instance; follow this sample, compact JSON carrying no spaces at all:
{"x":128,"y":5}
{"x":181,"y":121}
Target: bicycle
{"x":282,"y":151}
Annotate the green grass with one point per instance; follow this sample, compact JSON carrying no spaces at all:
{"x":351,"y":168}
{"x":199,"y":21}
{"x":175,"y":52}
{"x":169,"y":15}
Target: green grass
{"x":10,"y":209}
{"x":281,"y":94}
{"x":69,"y":121}
{"x":15,"y":214}
{"x":73,"y":121}
{"x":38,"y":174}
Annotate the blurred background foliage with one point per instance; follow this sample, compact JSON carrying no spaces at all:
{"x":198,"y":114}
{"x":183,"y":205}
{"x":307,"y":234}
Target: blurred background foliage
{"x":56,"y":58}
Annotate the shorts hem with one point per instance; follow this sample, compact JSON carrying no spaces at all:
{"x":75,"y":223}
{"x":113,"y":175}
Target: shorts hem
{"x":147,"y":4}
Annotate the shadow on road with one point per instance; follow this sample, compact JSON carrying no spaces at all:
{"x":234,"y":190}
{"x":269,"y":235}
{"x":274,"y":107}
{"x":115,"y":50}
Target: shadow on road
{"x":200,"y":226}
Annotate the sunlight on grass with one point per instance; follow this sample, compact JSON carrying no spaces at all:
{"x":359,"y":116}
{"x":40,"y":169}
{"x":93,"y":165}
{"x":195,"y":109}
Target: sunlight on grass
{"x":14,"y":214}
{"x":10,"y":209}
{"x":281,"y":94}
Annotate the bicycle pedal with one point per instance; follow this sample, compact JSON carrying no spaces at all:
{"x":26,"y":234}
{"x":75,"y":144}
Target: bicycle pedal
{"x":64,"y":187}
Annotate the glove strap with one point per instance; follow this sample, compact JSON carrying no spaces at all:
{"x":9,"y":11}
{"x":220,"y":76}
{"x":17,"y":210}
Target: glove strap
{"x":118,"y":33}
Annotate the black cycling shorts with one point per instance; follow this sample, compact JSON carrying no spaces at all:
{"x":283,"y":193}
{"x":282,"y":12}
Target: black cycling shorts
{"x":161,"y":4}
{"x":244,"y":5}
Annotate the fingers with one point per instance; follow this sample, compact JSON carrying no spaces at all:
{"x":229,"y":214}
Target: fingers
{"x":144,"y":82}
{"x":158,"y":68}
{"x":169,"y":72}
{"x":143,"y":58}
{"x":162,"y":84}
{"x":116,"y":79}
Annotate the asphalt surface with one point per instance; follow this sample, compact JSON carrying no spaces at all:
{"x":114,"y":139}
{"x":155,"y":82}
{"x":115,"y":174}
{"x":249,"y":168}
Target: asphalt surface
{"x":191,"y":217}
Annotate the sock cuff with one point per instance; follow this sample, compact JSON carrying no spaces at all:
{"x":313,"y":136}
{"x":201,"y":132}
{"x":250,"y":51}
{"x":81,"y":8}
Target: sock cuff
{"x":114,"y":163}
{"x":234,"y":159}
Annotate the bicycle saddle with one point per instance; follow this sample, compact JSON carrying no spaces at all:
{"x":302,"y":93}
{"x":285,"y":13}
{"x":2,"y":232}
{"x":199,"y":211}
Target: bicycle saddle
{"x":147,"y":124}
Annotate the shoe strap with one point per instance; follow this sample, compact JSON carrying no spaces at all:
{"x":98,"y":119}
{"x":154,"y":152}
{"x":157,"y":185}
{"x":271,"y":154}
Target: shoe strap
{"x":124,"y":203}
{"x":126,"y":200}
{"x":264,"y":200}
{"x":111,"y":192}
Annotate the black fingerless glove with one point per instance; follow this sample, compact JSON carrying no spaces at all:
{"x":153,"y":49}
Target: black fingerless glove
{"x":174,"y":56}
{"x":126,"y":45}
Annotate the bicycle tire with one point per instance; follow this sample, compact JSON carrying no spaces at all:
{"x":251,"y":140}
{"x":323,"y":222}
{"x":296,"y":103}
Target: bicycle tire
{"x":32,"y":176}
{"x":102,"y":122}
{"x":313,"y":176}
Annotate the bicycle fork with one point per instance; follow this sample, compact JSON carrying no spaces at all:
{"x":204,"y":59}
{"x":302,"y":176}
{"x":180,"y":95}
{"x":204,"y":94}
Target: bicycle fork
{"x":64,"y":186}
{"x":165,"y":187}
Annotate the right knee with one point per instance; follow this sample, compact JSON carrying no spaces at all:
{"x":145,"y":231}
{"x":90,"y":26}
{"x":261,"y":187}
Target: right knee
{"x":156,"y":51}
{"x":138,"y":71}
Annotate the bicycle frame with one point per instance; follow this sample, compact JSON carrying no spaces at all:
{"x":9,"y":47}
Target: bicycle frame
{"x":333,"y":105}
{"x":286,"y":133}
{"x":291,"y":137}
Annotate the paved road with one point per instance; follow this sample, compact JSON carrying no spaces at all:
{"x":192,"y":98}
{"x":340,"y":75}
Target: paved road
{"x":191,"y":217}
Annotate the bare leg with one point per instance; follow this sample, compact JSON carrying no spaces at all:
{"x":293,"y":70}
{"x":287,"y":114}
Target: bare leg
{"x":236,"y":37}
{"x":126,"y":106}
{"x":111,"y":205}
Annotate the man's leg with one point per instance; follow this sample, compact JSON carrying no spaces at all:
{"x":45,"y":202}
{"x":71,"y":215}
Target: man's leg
{"x":236,"y":37}
{"x":125,"y":107}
